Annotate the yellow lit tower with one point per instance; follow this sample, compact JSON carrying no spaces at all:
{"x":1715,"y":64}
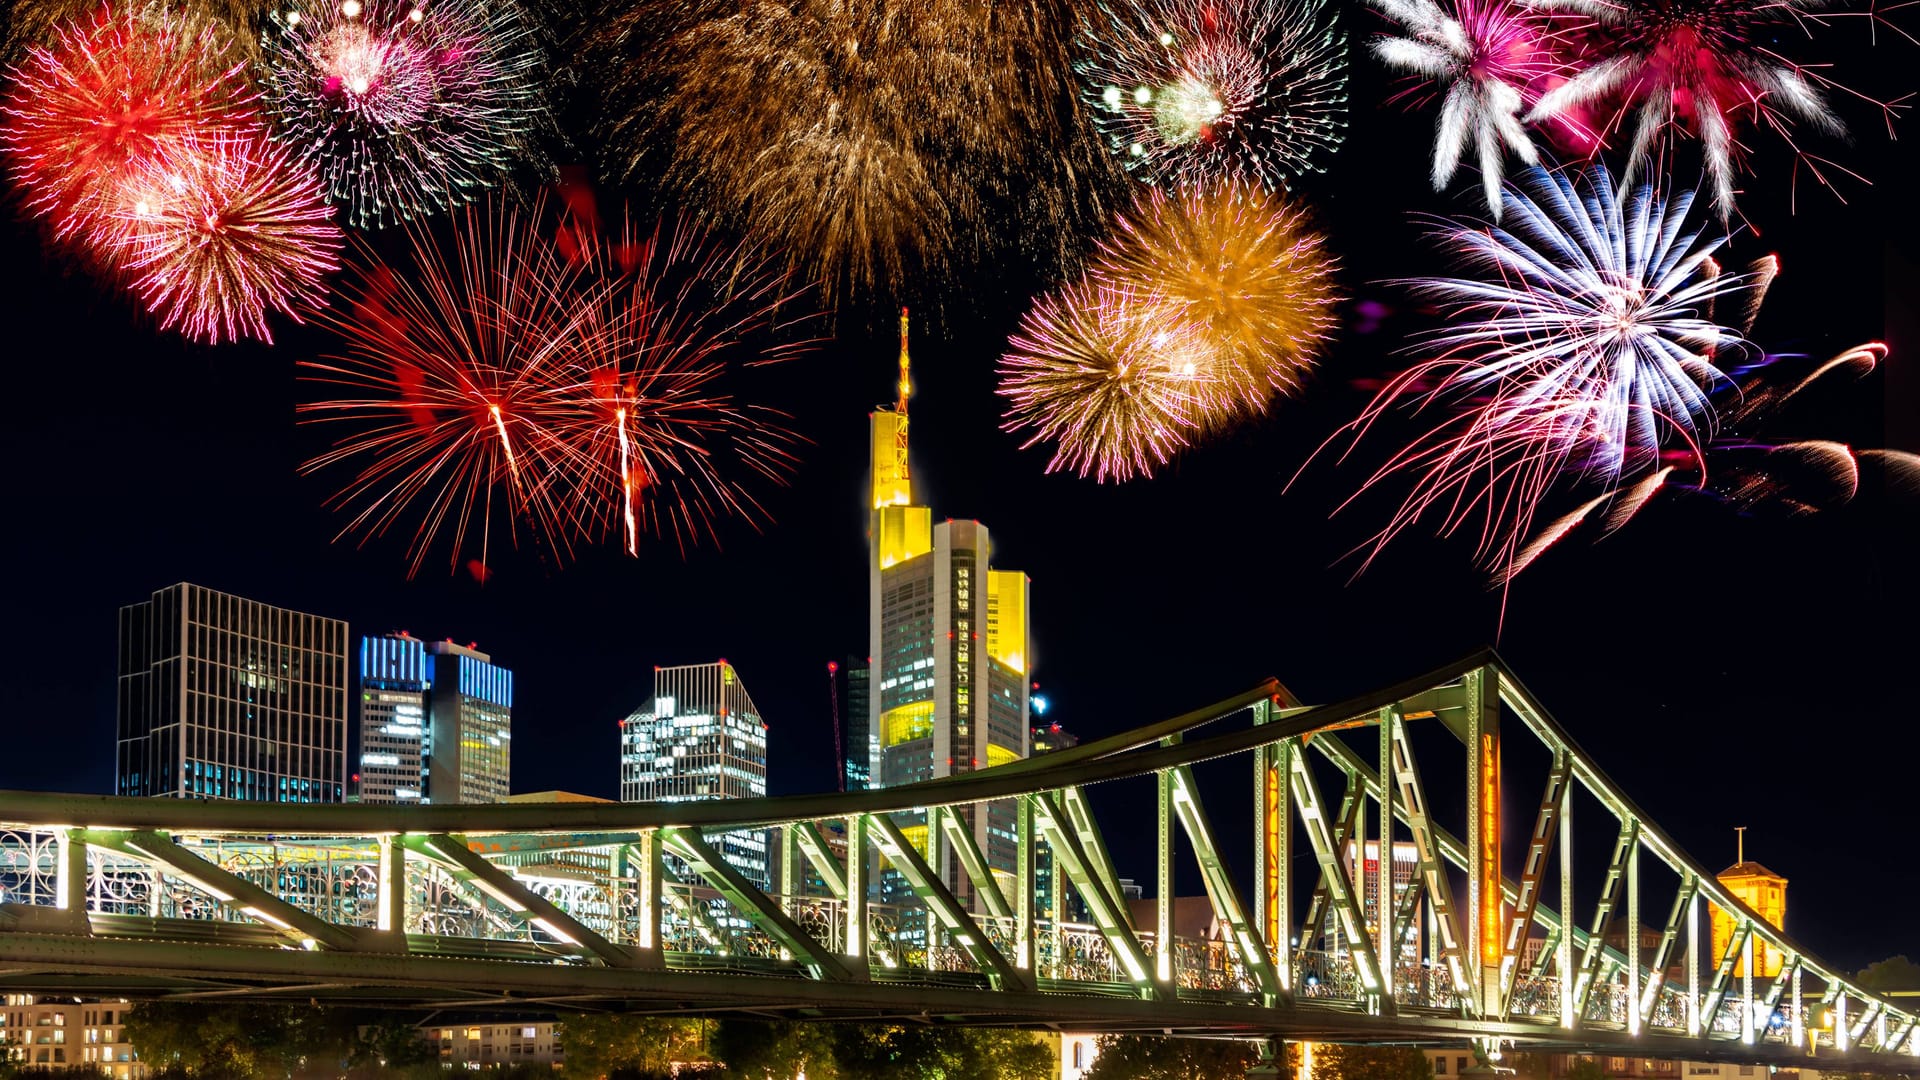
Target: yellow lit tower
{"x":948,"y":649}
{"x":1766,"y":893}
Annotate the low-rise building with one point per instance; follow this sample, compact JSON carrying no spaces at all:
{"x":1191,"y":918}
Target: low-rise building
{"x":53,"y":1033}
{"x":493,"y":1045}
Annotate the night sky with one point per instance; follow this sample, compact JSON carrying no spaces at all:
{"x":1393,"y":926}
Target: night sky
{"x":1726,"y":668}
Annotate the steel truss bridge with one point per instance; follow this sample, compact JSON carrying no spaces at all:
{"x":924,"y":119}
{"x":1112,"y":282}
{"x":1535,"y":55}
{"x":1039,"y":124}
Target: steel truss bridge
{"x":629,"y":906}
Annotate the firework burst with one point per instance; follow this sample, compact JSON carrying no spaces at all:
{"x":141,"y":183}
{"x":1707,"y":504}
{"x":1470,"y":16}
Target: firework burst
{"x":224,"y":229}
{"x":1584,"y":344}
{"x":1694,"y":65}
{"x":405,"y":107}
{"x":1192,"y":90}
{"x":870,"y":143}
{"x":44,"y":22}
{"x":107,"y":100}
{"x":552,"y":387}
{"x":1485,"y":56}
{"x":1108,"y":379}
{"x":660,"y":443}
{"x":1739,"y":468}
{"x":1242,"y":266}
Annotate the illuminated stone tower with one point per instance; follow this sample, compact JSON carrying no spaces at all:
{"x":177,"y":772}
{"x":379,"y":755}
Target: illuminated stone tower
{"x":948,"y":634}
{"x":1766,"y":893}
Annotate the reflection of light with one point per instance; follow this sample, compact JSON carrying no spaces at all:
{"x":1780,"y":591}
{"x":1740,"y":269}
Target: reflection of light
{"x":1040,"y":704}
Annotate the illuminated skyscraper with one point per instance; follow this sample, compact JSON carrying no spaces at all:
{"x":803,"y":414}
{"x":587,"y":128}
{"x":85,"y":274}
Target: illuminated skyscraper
{"x":949,"y":644}
{"x":394,"y":681}
{"x":228,"y":698}
{"x":469,"y":753}
{"x":851,"y":684}
{"x":700,"y":737}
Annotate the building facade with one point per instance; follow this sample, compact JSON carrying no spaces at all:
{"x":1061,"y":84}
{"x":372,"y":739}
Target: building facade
{"x":851,"y":686}
{"x":394,"y":680}
{"x":469,"y":751}
{"x":495,"y":1045}
{"x":1766,"y":893}
{"x":700,"y":737}
{"x":949,"y":654}
{"x":223,"y":697}
{"x":47,"y":1033}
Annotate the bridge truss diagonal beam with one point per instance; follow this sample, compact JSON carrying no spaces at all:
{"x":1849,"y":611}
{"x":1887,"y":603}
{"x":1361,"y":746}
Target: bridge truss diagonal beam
{"x":757,"y":906}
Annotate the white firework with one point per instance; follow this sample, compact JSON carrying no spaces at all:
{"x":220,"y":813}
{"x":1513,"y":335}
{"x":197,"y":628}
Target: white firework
{"x":1483,"y":54}
{"x":1190,"y":92}
{"x":1586,"y":341}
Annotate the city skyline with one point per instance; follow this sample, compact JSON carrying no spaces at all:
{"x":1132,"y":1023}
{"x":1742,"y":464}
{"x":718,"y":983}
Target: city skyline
{"x":1207,"y":579}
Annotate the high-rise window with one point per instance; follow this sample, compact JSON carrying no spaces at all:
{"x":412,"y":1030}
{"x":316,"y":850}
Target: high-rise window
{"x":224,"y":697}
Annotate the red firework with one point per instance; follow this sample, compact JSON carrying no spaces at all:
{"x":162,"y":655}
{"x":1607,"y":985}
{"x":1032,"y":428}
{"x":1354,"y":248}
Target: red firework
{"x":659,"y":438}
{"x":222,"y":229}
{"x":107,"y":100}
{"x":559,"y":390}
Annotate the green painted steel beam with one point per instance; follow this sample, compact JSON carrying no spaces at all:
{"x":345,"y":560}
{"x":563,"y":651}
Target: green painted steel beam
{"x":1074,"y":805}
{"x":467,"y":865}
{"x":933,"y":892}
{"x":1221,"y":890}
{"x":974,"y":864}
{"x":1533,"y":874}
{"x":1070,"y":859}
{"x":757,"y":906}
{"x":237,"y":893}
{"x":1340,"y":895}
{"x":1604,"y":911}
{"x":1722,"y":976}
{"x":1663,"y":953}
{"x":820,"y":856}
{"x":1427,"y":846}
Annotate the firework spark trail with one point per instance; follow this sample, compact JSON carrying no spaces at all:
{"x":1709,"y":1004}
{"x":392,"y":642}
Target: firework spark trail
{"x":1489,"y":57}
{"x":105,"y":101}
{"x":1193,"y":91}
{"x":1692,"y":65}
{"x":405,"y":107}
{"x":1111,"y":378}
{"x":1577,"y":351}
{"x":1240,"y":264}
{"x":581,"y":380}
{"x":870,"y":144}
{"x":220,"y":229}
{"x":449,"y":363}
{"x":657,"y":415}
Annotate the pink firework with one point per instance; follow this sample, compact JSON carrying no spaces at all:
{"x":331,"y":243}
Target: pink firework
{"x":1488,"y":60}
{"x":1700,"y":67}
{"x":105,"y":101}
{"x":223,"y":229}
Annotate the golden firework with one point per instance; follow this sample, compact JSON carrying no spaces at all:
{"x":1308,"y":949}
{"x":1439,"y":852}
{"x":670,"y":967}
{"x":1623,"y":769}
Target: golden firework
{"x":1242,"y":265}
{"x":1101,"y":373}
{"x":871,"y":143}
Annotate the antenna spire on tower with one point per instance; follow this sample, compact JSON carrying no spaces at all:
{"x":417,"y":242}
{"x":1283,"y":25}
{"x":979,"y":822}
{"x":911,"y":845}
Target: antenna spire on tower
{"x":906,"y":365}
{"x":1740,"y":835}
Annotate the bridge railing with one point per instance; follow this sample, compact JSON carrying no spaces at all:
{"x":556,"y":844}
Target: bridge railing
{"x":898,"y":885}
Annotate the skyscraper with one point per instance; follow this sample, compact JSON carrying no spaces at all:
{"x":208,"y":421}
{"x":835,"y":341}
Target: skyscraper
{"x":700,"y":737}
{"x":469,"y":752}
{"x":394,"y":681}
{"x":948,"y":640}
{"x":228,"y":698}
{"x":851,"y":684}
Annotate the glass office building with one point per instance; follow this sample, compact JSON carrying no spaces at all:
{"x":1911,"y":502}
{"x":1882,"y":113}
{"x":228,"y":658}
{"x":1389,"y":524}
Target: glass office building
{"x":223,"y":697}
{"x":700,"y":737}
